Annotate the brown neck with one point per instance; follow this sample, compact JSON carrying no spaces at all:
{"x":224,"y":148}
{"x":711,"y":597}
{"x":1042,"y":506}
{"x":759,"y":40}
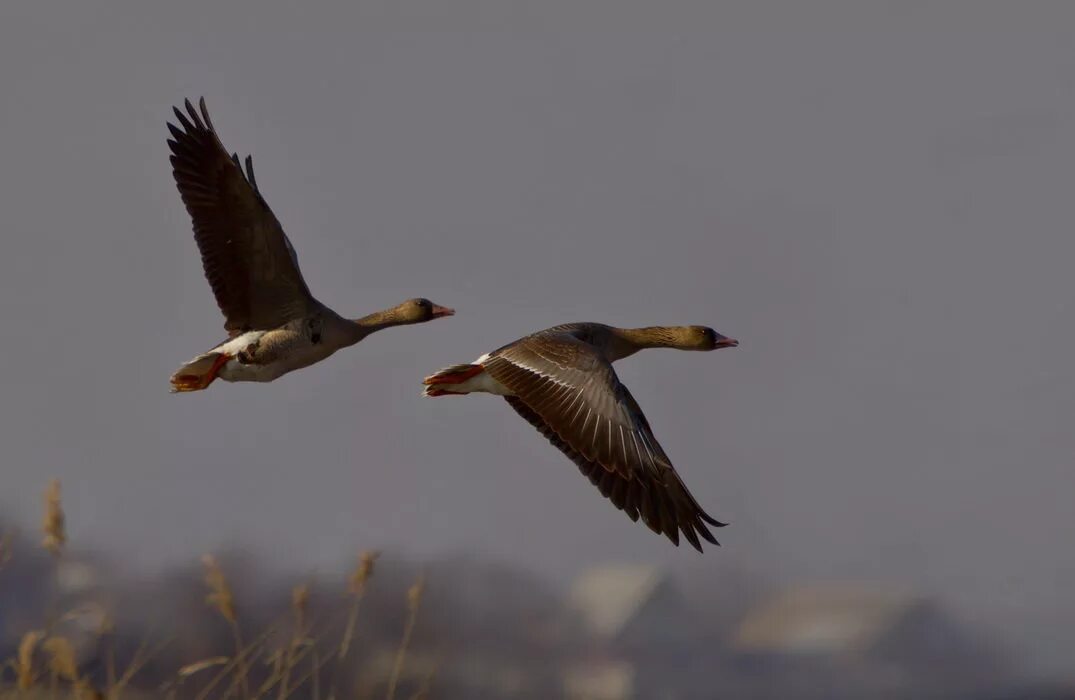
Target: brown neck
{"x":628,"y":341}
{"x":378,"y":320}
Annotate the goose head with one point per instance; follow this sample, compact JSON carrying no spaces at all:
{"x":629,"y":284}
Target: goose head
{"x":703,"y":338}
{"x":420,"y":310}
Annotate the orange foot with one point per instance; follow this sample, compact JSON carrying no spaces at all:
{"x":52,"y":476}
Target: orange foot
{"x":187,"y":382}
{"x":454,"y":375}
{"x":197,"y":382}
{"x":442,"y":392}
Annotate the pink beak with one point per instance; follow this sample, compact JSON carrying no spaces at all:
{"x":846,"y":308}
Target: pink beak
{"x":439,"y":311}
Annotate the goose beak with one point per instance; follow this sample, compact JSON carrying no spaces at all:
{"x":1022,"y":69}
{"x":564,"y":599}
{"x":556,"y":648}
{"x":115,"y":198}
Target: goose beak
{"x":441,"y":311}
{"x":725,"y":342}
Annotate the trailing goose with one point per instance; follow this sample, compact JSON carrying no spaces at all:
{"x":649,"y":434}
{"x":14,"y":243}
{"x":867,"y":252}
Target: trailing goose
{"x":562,"y":382}
{"x":274,"y":324}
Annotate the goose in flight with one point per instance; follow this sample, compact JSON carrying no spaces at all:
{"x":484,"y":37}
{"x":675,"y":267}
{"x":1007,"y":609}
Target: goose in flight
{"x":274,"y":324}
{"x":562,"y":382}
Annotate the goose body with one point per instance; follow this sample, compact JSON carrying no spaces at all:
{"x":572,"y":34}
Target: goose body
{"x":262,"y":356}
{"x":274,"y":323}
{"x":561,"y":381}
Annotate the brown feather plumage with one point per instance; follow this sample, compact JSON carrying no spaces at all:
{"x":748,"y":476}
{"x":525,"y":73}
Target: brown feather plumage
{"x":571,"y":395}
{"x":247,"y":259}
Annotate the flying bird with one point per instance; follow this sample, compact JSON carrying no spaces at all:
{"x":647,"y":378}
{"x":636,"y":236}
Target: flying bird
{"x":274,"y":324}
{"x":562,"y":382}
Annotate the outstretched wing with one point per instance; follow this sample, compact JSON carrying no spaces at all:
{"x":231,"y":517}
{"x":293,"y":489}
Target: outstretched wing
{"x":247,"y":258}
{"x":571,"y":394}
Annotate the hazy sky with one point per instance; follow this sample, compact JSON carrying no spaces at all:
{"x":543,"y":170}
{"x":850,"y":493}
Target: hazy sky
{"x":877,"y":199}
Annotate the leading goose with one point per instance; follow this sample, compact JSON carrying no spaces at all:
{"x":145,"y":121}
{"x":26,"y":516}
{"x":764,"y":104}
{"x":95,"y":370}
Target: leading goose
{"x":562,"y":382}
{"x":274,"y":324}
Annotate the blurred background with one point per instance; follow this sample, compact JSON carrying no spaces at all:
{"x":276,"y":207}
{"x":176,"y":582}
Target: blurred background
{"x":875,"y":198}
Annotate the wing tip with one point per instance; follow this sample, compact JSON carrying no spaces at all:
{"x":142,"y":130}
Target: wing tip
{"x":193,"y":119}
{"x":691,"y":530}
{"x":710,"y":519}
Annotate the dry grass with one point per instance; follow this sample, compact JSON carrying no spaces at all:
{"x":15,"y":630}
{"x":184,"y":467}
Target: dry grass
{"x":414,"y":601}
{"x":287,"y":659}
{"x":53,"y":524}
{"x":24,"y":662}
{"x":357,"y":590}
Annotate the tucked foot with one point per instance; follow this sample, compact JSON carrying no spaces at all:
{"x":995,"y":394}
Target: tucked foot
{"x":456,"y":374}
{"x":199,"y":373}
{"x":451,"y":381}
{"x":432,"y":391}
{"x":187,"y":382}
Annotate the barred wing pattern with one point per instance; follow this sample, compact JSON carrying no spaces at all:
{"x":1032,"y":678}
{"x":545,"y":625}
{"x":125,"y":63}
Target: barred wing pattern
{"x":566,"y":389}
{"x":248,"y":260}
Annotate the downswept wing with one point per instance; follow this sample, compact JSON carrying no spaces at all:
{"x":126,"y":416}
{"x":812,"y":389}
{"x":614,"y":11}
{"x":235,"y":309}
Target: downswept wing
{"x":247,"y":258}
{"x":571,"y":394}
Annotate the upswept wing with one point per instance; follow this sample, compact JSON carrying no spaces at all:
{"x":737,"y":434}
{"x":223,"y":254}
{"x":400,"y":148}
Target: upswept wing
{"x":247,"y":258}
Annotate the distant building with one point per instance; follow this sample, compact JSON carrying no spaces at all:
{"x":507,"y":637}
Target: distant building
{"x":628,"y":605}
{"x":643,"y":640}
{"x":851,"y":639}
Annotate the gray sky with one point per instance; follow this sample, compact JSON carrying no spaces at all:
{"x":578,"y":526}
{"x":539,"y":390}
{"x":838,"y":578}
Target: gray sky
{"x":875,"y":198}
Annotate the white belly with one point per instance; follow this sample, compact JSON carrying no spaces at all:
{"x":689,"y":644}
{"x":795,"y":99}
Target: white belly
{"x":296,"y":356}
{"x":481,"y":383}
{"x":239,"y":342}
